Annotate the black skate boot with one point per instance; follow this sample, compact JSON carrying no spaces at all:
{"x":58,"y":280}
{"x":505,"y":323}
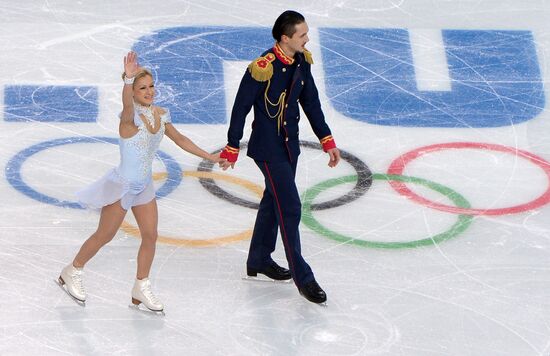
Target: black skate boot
{"x":313,"y":292}
{"x":273,"y":271}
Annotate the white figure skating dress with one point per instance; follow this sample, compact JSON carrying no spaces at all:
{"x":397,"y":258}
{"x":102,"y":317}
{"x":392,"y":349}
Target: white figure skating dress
{"x":132,"y":181}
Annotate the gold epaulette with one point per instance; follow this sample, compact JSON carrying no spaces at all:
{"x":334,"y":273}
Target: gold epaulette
{"x":261,"y":68}
{"x":308,"y":56}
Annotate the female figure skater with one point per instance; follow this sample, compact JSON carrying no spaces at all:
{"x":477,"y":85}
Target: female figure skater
{"x":130,"y":185}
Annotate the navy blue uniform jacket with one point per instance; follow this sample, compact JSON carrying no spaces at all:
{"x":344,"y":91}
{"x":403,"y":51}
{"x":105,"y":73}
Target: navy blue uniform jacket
{"x":267,"y":141}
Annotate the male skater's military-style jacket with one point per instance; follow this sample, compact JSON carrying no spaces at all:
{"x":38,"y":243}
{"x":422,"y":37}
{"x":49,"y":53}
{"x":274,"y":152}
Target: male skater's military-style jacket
{"x":274,"y":84}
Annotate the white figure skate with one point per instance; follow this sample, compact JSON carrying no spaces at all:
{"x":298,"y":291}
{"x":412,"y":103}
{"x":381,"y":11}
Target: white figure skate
{"x":70,"y":281}
{"x":142,"y":294}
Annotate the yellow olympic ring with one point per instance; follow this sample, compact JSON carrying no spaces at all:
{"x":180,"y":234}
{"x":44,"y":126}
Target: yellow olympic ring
{"x":254,"y":188}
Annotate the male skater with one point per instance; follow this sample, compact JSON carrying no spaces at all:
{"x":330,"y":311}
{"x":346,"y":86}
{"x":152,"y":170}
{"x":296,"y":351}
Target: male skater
{"x":274,"y":84}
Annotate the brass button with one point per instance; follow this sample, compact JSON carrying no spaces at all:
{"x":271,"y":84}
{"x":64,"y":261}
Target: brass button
{"x":286,"y":105}
{"x":286,"y":139}
{"x":302,"y":82}
{"x":298,"y":117}
{"x":284,"y":69}
{"x":298,"y":64}
{"x":284,"y":122}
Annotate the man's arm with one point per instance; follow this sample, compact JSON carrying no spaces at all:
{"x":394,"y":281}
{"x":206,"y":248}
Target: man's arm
{"x":309,"y":99}
{"x":246,"y":95}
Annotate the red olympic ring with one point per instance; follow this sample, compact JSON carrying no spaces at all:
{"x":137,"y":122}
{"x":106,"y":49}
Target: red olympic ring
{"x":398,"y":166}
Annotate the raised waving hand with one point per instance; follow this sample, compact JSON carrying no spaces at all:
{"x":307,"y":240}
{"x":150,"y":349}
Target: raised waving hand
{"x":131,"y":66}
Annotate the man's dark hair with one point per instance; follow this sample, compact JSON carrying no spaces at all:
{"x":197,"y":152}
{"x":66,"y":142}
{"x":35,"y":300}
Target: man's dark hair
{"x":286,"y":24}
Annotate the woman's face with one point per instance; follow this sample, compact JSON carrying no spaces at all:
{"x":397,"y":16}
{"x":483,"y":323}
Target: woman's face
{"x":144,"y":90}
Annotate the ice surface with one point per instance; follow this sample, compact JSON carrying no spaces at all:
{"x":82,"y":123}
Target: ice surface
{"x":402,"y":278}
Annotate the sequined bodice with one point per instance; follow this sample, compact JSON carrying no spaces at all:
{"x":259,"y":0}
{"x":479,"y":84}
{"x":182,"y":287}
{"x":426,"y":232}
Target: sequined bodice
{"x":137,"y":153}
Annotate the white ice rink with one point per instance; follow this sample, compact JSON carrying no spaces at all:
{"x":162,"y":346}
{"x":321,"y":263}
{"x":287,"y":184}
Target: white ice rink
{"x":442,"y":248}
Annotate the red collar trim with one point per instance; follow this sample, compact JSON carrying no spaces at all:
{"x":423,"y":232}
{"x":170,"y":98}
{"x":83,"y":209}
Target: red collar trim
{"x":281,"y":55}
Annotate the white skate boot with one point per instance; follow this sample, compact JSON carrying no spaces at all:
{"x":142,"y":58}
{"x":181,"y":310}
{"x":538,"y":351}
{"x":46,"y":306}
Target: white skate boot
{"x":70,"y":281}
{"x":142,"y":294}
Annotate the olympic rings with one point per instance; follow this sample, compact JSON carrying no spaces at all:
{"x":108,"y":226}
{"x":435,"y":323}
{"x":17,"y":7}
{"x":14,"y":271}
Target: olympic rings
{"x":13,"y":169}
{"x":363,"y":180}
{"x":363,"y":183}
{"x":134,"y":231}
{"x":462,"y":223}
{"x":398,"y":166}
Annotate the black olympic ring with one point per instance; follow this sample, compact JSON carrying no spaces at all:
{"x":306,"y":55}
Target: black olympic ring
{"x":364,"y":181}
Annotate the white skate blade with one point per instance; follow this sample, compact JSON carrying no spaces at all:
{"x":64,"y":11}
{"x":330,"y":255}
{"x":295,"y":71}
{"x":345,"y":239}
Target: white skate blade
{"x":82,"y":303}
{"x":265,"y":279}
{"x":144,"y":309}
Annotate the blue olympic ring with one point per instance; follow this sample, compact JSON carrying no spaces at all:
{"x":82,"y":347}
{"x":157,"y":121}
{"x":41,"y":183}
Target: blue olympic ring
{"x":13,"y":169}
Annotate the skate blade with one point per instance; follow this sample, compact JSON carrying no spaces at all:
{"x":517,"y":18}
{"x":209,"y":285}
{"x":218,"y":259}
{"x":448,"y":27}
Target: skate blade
{"x":146,"y":310}
{"x":77,"y":301}
{"x":266,"y":280}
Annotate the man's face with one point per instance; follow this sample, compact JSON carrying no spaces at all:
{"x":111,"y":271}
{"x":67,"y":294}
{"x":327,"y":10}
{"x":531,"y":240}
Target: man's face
{"x":299,"y":39}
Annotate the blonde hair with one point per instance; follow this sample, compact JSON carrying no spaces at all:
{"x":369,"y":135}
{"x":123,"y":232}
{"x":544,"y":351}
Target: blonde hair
{"x":142,"y":72}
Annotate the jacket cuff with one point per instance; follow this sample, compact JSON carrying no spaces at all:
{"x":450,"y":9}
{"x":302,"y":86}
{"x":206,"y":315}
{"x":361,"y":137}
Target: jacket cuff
{"x":230,"y":153}
{"x":328,"y":143}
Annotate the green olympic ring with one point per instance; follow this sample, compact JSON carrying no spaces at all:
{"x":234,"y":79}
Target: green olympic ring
{"x":457,"y":228}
